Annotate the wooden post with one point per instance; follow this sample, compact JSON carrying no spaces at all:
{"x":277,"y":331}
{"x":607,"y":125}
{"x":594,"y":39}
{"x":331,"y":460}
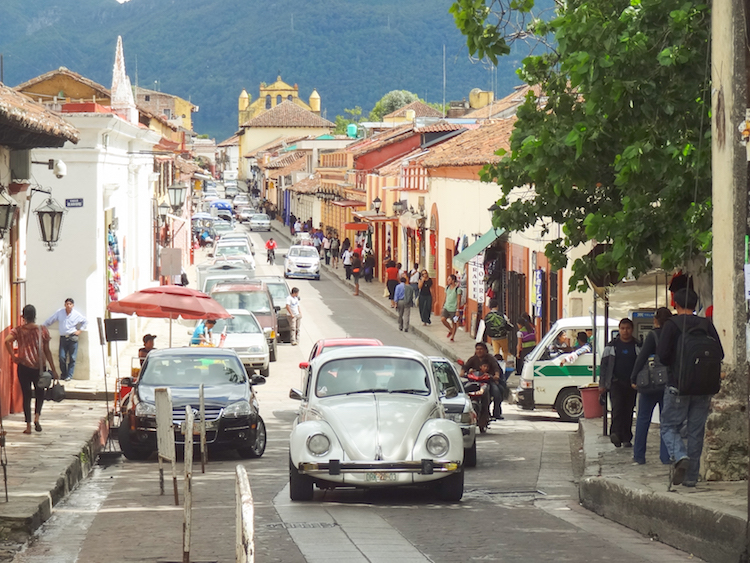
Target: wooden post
{"x":202,"y":423}
{"x":165,"y":438}
{"x":188,"y":432}
{"x":245,"y":526}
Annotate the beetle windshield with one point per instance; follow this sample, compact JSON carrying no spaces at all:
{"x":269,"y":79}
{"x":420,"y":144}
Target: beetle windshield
{"x":372,"y":375}
{"x":191,"y":371}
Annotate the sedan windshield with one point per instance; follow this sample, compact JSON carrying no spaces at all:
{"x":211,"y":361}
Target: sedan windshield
{"x":303,"y":253}
{"x":372,"y":375}
{"x":238,"y":324}
{"x":191,"y":371}
{"x":238,"y":250}
{"x":253,"y":301}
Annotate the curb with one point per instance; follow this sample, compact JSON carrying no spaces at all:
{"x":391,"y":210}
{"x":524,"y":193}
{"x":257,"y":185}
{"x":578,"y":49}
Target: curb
{"x":447,"y":352}
{"x":21,"y":528}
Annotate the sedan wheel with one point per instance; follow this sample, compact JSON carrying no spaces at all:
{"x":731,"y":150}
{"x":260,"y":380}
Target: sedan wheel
{"x":300,"y":486}
{"x":130,"y":451}
{"x":259,"y":445}
{"x":265,"y":372}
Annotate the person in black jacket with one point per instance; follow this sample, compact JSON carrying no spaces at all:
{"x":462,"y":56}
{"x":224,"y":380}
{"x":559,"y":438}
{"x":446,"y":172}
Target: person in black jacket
{"x":648,"y":398}
{"x":681,"y":408}
{"x":618,"y":360}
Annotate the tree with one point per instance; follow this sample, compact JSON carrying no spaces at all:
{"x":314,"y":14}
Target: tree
{"x":393,"y":100}
{"x":355,"y":116}
{"x":617,"y":149}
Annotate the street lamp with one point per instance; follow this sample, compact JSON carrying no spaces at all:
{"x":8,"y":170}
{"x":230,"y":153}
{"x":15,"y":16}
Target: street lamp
{"x":377,"y":203}
{"x":163,"y":211}
{"x":398,"y":207}
{"x":7,"y":212}
{"x":176,"y":194}
{"x":50,"y":216}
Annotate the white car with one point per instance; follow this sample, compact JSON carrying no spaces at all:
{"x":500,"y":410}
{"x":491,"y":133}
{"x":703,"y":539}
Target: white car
{"x":239,"y":236}
{"x":234,"y":250}
{"x":302,"y":262}
{"x":260,"y":222}
{"x":371,"y":416}
{"x":245,"y":336}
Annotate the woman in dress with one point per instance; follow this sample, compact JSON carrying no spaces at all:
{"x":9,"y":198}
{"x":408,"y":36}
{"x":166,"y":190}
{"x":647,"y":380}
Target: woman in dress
{"x":30,"y":359}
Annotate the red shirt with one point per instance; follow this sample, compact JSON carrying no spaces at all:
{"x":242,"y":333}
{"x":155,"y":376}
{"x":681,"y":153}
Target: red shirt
{"x":391,"y":273}
{"x":358,"y":252}
{"x":27,"y":338}
{"x":271,"y":244}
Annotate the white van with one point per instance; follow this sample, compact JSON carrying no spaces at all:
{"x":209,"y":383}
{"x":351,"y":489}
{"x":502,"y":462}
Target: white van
{"x":546,"y":383}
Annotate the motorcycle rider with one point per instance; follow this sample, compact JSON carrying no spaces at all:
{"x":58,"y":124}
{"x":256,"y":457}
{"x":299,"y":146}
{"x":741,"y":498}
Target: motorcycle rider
{"x":497,"y":381}
{"x":271,"y":250}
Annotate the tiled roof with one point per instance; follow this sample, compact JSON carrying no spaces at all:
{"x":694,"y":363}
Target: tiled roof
{"x":394,"y":168}
{"x":230,"y":142}
{"x":421,"y":109}
{"x":288,"y":114}
{"x":441,"y":127}
{"x":23,"y":113}
{"x":509,"y":102}
{"x":285,"y":159}
{"x":473,"y":148}
{"x":65,"y":72}
{"x":381,"y":140}
{"x":286,"y":164}
{"x":306,"y":186}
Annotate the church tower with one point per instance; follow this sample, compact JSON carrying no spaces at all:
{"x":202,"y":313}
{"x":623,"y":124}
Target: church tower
{"x":122,"y":92}
{"x":242,"y":106}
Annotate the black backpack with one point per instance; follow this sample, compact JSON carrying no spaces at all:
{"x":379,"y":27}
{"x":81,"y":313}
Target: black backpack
{"x":697,"y":366}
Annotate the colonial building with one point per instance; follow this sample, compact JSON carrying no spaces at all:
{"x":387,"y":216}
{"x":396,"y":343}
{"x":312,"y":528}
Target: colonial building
{"x":272,"y":95}
{"x":177,"y":111}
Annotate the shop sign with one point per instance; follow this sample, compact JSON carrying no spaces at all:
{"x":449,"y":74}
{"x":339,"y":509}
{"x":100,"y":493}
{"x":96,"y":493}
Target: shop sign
{"x":538,"y":286}
{"x":476,"y":274}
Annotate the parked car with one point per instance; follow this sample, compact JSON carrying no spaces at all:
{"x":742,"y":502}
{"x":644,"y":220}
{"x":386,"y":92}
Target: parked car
{"x":230,"y":190}
{"x":241,"y":236}
{"x":240,"y":199}
{"x":252,"y":295}
{"x":260,"y":222}
{"x":232,"y":412}
{"x":279,"y":292}
{"x":212,"y":280}
{"x":302,"y":239}
{"x":234,"y":250}
{"x":457,"y":405}
{"x":245,"y":213}
{"x":215,"y":267}
{"x":302,"y":262}
{"x":245,"y":336}
{"x":372,"y":417}
{"x":225,"y":215}
{"x":221,"y":228}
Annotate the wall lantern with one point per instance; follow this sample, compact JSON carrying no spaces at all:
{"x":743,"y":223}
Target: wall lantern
{"x":50,"y":216}
{"x":176,"y":194}
{"x":163,"y":210}
{"x":7,"y":212}
{"x":398,"y":207}
{"x":377,"y":204}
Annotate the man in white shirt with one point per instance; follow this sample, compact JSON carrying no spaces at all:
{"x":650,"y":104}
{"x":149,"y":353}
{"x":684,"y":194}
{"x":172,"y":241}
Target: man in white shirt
{"x":72,"y":323}
{"x":295,"y":317}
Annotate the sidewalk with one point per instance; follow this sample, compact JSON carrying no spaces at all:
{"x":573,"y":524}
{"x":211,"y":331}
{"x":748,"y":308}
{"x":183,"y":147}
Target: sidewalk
{"x":434,"y":334}
{"x":708,"y":521}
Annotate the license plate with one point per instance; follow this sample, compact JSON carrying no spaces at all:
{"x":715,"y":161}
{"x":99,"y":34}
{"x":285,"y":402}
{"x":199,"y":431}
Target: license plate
{"x":380,"y":476}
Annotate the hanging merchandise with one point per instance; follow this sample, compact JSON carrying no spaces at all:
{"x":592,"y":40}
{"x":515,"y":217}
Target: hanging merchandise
{"x":433,"y":243}
{"x":113,"y":266}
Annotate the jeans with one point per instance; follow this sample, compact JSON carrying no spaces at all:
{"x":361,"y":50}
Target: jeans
{"x":348,"y":271}
{"x":68,"y":351}
{"x":496,"y":392}
{"x":622,"y":397}
{"x":26,"y":377}
{"x":678,"y":409}
{"x":647,"y":401}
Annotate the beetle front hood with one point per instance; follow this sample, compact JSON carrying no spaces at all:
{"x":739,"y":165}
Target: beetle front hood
{"x":372,"y":426}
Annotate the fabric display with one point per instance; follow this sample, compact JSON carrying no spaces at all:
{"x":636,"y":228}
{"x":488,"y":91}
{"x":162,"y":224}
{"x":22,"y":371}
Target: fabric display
{"x":113,"y":266}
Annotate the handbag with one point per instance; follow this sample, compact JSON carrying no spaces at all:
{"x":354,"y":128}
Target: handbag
{"x":45,"y":376}
{"x":56,"y":392}
{"x":654,"y":375}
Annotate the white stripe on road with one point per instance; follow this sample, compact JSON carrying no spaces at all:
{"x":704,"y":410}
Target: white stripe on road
{"x":352,"y":534}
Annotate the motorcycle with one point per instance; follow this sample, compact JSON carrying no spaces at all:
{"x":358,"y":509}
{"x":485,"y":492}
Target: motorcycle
{"x":477,"y":386}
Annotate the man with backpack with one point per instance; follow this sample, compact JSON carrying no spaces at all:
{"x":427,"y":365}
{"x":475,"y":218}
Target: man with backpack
{"x":497,"y":327}
{"x":691,"y":347}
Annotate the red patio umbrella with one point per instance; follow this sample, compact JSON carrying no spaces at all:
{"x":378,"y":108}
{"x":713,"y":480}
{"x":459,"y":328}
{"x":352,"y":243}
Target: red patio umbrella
{"x":169,"y":302}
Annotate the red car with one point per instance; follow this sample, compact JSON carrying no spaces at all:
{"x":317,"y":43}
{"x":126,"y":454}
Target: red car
{"x":329,"y":344}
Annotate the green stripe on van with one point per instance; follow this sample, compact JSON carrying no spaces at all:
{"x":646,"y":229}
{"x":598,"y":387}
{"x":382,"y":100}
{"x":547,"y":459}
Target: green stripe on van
{"x":564,"y":371}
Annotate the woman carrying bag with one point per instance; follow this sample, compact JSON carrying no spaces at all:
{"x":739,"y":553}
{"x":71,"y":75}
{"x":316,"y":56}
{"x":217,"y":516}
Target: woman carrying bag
{"x":33,"y":349}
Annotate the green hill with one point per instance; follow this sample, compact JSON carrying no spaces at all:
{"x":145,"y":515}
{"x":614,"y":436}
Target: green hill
{"x":352,"y":51}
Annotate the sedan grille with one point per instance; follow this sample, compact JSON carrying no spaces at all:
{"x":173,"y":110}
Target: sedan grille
{"x":212,"y":413}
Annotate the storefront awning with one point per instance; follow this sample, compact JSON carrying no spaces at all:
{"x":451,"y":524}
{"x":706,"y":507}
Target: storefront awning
{"x":460,"y":260}
{"x":356,"y":226}
{"x":349,"y":203}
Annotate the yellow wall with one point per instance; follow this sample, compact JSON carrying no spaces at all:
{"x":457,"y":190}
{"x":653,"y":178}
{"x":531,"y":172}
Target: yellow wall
{"x":73,"y":89}
{"x":183,"y":107}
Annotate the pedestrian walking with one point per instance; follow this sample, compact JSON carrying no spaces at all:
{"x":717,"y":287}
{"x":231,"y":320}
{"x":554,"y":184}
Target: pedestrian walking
{"x":295,"y":315}
{"x":391,"y":280}
{"x":425,"y":298}
{"x":71,"y":324}
{"x":369,"y":267}
{"x":327,"y":250}
{"x":404,"y":297}
{"x":525,"y":340}
{"x":356,"y":271}
{"x":649,"y":395}
{"x":414,"y":280}
{"x":335,"y":249}
{"x":346,"y":260}
{"x":297,"y":226}
{"x":450,"y":306}
{"x":497,"y":328}
{"x":618,"y":360}
{"x":692,"y":349}
{"x":30,"y":358}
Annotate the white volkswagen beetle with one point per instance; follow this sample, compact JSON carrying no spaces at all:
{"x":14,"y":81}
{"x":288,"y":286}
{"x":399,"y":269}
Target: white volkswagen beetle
{"x":371,"y":417}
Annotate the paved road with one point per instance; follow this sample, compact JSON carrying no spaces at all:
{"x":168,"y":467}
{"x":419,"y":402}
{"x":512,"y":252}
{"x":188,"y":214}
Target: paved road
{"x":520,"y":502}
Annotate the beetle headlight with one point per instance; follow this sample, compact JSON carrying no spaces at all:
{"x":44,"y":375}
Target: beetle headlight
{"x":145,"y":409}
{"x":318,"y":444}
{"x":437,"y":445}
{"x":240,"y":408}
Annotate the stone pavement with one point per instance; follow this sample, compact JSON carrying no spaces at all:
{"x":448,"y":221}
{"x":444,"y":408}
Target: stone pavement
{"x":708,"y":521}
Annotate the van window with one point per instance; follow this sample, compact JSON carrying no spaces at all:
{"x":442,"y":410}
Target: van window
{"x":253,"y":301}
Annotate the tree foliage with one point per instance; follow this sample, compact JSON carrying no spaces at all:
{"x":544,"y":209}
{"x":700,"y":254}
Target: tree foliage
{"x":342,"y":121}
{"x":393,"y":100}
{"x":617,"y":147}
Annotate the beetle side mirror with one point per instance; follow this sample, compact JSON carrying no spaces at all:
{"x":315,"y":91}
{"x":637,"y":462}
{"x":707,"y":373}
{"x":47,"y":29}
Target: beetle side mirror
{"x":295,"y":394}
{"x":257,"y":380}
{"x":304,"y":365}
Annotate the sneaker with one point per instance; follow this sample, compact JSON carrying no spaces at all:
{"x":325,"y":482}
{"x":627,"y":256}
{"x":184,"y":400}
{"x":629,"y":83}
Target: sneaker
{"x":639,"y":461}
{"x":615,"y":439}
{"x":680,"y":468}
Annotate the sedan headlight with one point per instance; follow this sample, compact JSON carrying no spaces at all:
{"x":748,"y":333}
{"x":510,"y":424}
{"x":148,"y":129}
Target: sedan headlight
{"x":437,"y":445}
{"x":240,"y":408}
{"x":318,"y":444}
{"x":145,"y":409}
{"x":454,"y":416}
{"x":257,"y":349}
